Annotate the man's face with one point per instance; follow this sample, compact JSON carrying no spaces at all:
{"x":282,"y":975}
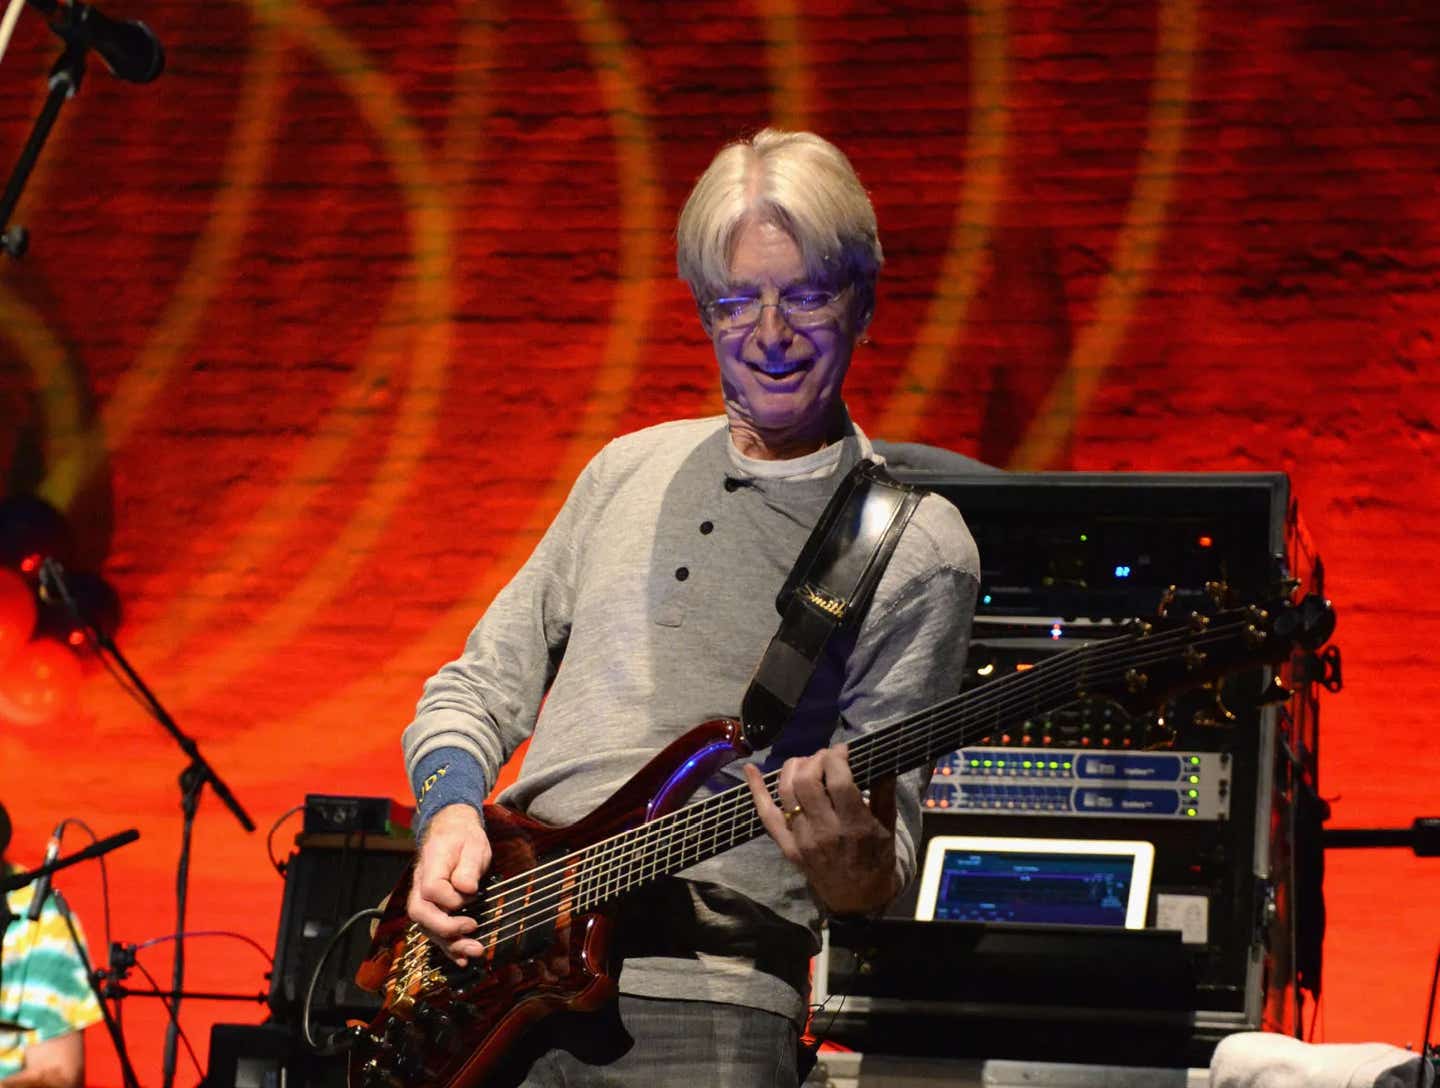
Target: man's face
{"x":782,"y":383}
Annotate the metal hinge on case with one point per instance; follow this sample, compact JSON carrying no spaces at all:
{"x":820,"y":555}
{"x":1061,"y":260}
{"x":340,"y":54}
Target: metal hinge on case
{"x":1267,"y":908}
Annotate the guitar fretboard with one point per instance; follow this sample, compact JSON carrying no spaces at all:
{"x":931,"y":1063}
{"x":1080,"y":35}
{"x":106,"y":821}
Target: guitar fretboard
{"x":588,"y":878}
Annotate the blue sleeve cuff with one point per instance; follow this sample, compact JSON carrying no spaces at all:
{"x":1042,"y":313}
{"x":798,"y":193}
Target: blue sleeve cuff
{"x":446,"y":776}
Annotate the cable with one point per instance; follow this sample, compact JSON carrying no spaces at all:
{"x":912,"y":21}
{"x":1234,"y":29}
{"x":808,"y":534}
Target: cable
{"x":329,"y":1047}
{"x":104,"y":872}
{"x":1429,"y":1022}
{"x":819,"y":1037}
{"x":251,"y":941}
{"x":279,"y":866}
{"x":7,"y":25}
{"x":105,"y":900}
{"x":170,"y":1008}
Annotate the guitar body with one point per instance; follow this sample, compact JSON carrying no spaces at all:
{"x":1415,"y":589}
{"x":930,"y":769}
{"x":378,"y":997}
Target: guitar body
{"x":448,"y":1026}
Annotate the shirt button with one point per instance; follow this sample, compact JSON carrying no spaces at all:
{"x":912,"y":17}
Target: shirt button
{"x":707,"y":527}
{"x":681,"y":573}
{"x":731,"y":484}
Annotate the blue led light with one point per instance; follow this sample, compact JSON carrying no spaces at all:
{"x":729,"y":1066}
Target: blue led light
{"x":1056,"y":631}
{"x":986,"y":599}
{"x":1122,"y":571}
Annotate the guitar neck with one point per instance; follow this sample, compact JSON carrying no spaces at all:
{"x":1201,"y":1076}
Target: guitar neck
{"x":708,"y":828}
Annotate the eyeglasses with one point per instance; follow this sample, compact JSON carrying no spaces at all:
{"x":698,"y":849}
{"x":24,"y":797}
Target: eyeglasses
{"x":801,"y":309}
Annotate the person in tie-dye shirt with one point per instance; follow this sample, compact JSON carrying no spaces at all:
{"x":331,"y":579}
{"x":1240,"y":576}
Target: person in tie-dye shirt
{"x":42,"y":987}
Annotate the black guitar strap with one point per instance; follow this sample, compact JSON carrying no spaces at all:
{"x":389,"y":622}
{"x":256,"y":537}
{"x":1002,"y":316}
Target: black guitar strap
{"x":829,"y":589}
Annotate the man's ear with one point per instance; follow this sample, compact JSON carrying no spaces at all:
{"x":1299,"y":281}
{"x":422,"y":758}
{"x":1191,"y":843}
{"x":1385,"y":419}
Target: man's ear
{"x":704,"y":315}
{"x":864,"y":305}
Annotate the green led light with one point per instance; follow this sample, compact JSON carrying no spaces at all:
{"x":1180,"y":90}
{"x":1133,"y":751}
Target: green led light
{"x":1194,"y":793}
{"x":1053,"y":765}
{"x":1084,"y":538}
{"x":974,"y":763}
{"x":989,"y":763}
{"x":1027,"y":764}
{"x":1194,"y":759}
{"x":999,"y":763}
{"x":1067,"y":765}
{"x":1189,"y":812}
{"x":1194,"y":778}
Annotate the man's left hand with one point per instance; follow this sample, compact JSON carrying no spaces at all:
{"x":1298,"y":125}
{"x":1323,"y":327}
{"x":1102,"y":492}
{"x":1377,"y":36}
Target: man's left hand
{"x":845,"y":848}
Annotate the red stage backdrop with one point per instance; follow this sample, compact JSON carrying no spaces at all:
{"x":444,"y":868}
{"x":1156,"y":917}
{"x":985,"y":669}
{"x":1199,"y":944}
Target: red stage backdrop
{"x":316,"y":331}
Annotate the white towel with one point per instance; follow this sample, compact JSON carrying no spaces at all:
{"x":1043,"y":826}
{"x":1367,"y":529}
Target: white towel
{"x":1262,"y":1059}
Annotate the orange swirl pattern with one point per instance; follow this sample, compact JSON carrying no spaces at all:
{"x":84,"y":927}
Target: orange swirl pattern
{"x":1135,"y":256}
{"x":366,"y":285}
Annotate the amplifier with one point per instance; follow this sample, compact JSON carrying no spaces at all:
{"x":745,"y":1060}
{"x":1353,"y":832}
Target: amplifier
{"x":327,"y":879}
{"x":1078,"y":556}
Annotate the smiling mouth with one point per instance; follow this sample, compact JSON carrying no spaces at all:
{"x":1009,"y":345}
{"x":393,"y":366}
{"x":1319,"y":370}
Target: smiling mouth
{"x":780,"y":370}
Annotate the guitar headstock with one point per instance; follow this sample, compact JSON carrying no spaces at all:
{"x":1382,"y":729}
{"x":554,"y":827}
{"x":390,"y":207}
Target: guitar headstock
{"x":1173,"y":654}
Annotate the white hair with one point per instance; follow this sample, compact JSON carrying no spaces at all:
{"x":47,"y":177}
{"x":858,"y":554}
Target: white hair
{"x":799,"y":182}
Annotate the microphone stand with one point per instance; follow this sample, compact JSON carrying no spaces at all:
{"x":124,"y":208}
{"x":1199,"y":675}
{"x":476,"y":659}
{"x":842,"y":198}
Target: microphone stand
{"x":1422,"y":837}
{"x":65,"y":77}
{"x":127,"y":1070}
{"x":193,"y":780}
{"x":129,"y":50}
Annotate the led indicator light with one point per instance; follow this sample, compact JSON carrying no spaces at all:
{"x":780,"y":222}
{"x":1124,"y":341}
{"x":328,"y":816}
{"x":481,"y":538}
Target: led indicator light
{"x":1189,"y":812}
{"x":986,"y":599}
{"x":1084,"y":538}
{"x":989,"y":763}
{"x":1194,"y":760}
{"x":1027,"y":764}
{"x":1067,"y":766}
{"x":1204,"y":541}
{"x":1194,"y":778}
{"x":1122,"y":570}
{"x":1193,"y":793}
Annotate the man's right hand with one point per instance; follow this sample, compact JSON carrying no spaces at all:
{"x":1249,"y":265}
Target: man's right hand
{"x":454,"y":856}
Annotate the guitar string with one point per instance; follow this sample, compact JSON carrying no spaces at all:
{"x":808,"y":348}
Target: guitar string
{"x":655,"y":843}
{"x":640,"y":844}
{"x":644,"y":840}
{"x":858,"y":747}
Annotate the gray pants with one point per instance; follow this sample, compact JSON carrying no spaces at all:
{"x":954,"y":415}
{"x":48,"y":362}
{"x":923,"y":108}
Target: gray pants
{"x":676,"y":1044}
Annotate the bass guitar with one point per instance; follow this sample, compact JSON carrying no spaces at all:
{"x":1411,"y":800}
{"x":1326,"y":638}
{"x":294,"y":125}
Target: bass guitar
{"x":542,"y":907}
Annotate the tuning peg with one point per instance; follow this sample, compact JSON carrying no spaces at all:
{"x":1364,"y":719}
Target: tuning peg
{"x":1218,"y":715}
{"x":1165,"y":602}
{"x":1277,"y":692}
{"x":1317,"y":621}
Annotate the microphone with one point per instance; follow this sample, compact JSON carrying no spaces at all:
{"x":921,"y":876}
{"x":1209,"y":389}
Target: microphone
{"x":42,"y":886}
{"x":129,"y":48}
{"x":52,"y":583}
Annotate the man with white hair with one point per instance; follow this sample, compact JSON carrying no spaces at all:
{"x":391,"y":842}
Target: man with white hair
{"x":644,"y":611}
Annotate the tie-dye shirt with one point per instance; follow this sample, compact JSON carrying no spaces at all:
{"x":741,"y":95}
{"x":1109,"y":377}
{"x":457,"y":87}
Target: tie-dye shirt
{"x":42,"y":981}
